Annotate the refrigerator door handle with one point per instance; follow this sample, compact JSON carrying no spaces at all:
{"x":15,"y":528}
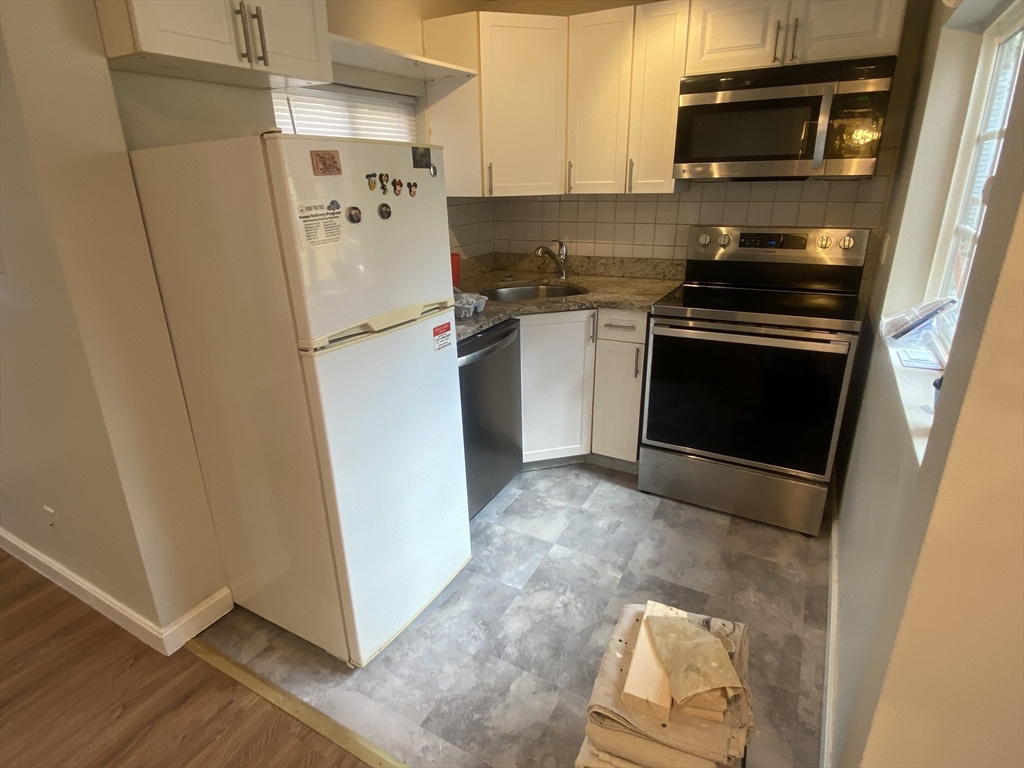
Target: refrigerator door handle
{"x":377,"y":324}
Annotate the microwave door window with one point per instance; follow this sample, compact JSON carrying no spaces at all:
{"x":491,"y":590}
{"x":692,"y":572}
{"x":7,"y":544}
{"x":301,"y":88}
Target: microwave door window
{"x":780,"y":129}
{"x":855,"y":125}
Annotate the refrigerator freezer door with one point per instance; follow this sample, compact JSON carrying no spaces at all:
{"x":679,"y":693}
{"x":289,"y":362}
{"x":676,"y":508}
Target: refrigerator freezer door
{"x":343,"y":267}
{"x":389,"y":427}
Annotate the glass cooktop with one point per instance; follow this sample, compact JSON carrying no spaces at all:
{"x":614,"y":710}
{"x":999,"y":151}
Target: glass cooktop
{"x":753,"y":304}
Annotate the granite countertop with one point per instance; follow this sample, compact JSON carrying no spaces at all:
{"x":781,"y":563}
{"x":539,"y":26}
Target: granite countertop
{"x":602,"y":292}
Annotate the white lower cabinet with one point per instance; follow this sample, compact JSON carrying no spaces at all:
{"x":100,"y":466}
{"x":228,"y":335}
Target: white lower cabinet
{"x":558,"y":383}
{"x":618,"y":383}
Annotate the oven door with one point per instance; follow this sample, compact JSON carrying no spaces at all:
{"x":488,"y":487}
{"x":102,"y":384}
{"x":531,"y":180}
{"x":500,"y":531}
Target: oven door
{"x":760,"y":132}
{"x":763,"y":398}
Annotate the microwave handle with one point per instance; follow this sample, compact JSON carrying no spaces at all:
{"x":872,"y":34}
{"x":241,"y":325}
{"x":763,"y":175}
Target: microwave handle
{"x":824,"y":113}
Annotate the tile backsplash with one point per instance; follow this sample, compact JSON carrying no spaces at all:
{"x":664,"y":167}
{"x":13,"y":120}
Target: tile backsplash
{"x":657,"y":226}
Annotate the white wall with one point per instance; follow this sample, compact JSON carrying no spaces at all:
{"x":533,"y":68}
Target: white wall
{"x":101,"y":436}
{"x":954,"y":690}
{"x":891,"y":507}
{"x":394,"y":24}
{"x":160,"y":111}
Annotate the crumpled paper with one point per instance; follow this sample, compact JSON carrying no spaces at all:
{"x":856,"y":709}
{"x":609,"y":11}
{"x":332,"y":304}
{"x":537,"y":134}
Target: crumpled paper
{"x":696,"y":660}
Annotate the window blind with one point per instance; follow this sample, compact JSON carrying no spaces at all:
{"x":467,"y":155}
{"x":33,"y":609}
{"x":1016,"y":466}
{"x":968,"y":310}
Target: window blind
{"x":346,"y":112}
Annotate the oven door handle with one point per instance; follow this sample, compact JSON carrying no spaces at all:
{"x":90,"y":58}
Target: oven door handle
{"x":833,"y":347}
{"x":824,"y":115}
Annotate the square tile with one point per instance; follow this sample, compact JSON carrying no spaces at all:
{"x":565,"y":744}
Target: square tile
{"x":504,"y":555}
{"x":666,"y":213}
{"x":646,"y":212}
{"x":715,"y":191}
{"x":504,"y":710}
{"x":712,"y":213}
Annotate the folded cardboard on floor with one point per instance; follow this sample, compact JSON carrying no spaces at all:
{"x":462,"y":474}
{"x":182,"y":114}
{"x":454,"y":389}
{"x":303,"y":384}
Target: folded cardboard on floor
{"x":642,"y":738}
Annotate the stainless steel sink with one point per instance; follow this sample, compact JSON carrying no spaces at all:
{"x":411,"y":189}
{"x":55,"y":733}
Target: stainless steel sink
{"x":527,"y":292}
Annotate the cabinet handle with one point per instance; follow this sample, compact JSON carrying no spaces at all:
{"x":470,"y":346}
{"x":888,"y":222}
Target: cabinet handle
{"x":568,"y":177}
{"x":629,"y":186}
{"x":490,"y":179}
{"x":792,"y":53}
{"x":265,"y":58}
{"x":620,"y":327}
{"x":636,"y":362}
{"x":775,"y":48}
{"x":593,"y":327}
{"x":247,"y":51}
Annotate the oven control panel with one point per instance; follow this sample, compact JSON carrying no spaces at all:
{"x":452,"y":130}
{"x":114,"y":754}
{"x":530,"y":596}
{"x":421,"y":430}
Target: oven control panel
{"x":797,"y":245}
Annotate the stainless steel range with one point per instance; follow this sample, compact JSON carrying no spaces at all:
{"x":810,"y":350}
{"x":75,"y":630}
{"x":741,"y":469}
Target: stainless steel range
{"x":748,"y":370}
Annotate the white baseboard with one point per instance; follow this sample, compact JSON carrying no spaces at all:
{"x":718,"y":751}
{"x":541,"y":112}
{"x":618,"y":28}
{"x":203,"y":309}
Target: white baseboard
{"x":165,"y":639}
{"x":827,"y":755}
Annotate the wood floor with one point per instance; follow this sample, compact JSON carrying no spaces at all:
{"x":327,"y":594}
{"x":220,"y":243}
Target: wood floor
{"x":77,"y":690}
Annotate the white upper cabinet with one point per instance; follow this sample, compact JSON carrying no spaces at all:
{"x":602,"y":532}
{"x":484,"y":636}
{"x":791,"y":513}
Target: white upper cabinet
{"x":728,"y":35}
{"x":203,"y":30}
{"x":292,"y":35}
{"x":822,"y":30}
{"x":504,"y":131}
{"x":263,"y":43}
{"x":659,"y":60}
{"x":453,"y":104}
{"x":600,"y":59}
{"x":523,"y":61}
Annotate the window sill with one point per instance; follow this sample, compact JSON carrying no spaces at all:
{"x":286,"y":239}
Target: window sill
{"x":918,"y":396}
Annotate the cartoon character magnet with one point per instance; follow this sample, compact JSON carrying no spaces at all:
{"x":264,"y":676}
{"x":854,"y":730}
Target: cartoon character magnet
{"x":397,"y":186}
{"x":384,"y":182}
{"x":371,"y":181}
{"x":411,"y":186}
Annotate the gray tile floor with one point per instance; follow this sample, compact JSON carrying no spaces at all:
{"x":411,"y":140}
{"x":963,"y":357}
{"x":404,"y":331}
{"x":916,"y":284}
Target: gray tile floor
{"x":498,"y":670}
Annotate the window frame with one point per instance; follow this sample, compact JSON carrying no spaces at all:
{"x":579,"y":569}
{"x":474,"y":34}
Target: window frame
{"x":1008,"y":24}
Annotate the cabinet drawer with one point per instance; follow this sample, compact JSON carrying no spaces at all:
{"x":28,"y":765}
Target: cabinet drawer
{"x":622,"y":325}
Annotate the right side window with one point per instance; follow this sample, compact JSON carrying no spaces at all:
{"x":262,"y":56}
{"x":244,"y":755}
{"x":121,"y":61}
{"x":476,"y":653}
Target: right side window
{"x":993,"y":93}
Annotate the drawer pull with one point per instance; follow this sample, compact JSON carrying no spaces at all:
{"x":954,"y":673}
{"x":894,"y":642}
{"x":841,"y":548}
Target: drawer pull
{"x":636,"y":362}
{"x":619,"y":327}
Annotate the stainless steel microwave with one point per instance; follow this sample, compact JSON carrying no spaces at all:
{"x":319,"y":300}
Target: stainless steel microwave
{"x":783,"y":122}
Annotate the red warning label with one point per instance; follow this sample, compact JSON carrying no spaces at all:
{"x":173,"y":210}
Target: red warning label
{"x":442,"y":336}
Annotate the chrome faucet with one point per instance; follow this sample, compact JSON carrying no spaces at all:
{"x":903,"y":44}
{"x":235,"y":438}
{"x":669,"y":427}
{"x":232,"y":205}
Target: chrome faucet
{"x":561,"y":259}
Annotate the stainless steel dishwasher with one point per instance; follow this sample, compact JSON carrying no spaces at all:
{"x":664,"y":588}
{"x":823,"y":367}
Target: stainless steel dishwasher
{"x":492,"y":415}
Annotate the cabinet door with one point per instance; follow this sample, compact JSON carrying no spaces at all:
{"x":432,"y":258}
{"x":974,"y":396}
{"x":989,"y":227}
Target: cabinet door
{"x":821,"y":30}
{"x":295,"y":35}
{"x":558,"y":383}
{"x":727,"y":35}
{"x":618,"y":384}
{"x":600,"y":59}
{"x":659,"y":60}
{"x":523,"y":61}
{"x":453,"y":104}
{"x":203,"y":30}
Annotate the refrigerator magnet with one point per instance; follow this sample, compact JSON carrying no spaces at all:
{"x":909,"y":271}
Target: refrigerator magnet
{"x":396,"y":184}
{"x":383,"y":182}
{"x":326,"y":162}
{"x":411,"y":186}
{"x":371,"y":181}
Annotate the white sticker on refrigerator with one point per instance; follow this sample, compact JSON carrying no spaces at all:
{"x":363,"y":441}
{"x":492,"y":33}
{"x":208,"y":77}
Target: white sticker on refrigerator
{"x":442,"y":336}
{"x":320,"y":222}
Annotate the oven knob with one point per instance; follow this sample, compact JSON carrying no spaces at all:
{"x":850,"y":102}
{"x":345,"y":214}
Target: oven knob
{"x":824,"y":242}
{"x":846,"y":243}
{"x":724,"y":240}
{"x":704,"y":239}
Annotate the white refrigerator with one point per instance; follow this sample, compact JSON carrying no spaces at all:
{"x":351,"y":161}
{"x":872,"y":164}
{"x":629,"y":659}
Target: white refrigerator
{"x":307,"y":287}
